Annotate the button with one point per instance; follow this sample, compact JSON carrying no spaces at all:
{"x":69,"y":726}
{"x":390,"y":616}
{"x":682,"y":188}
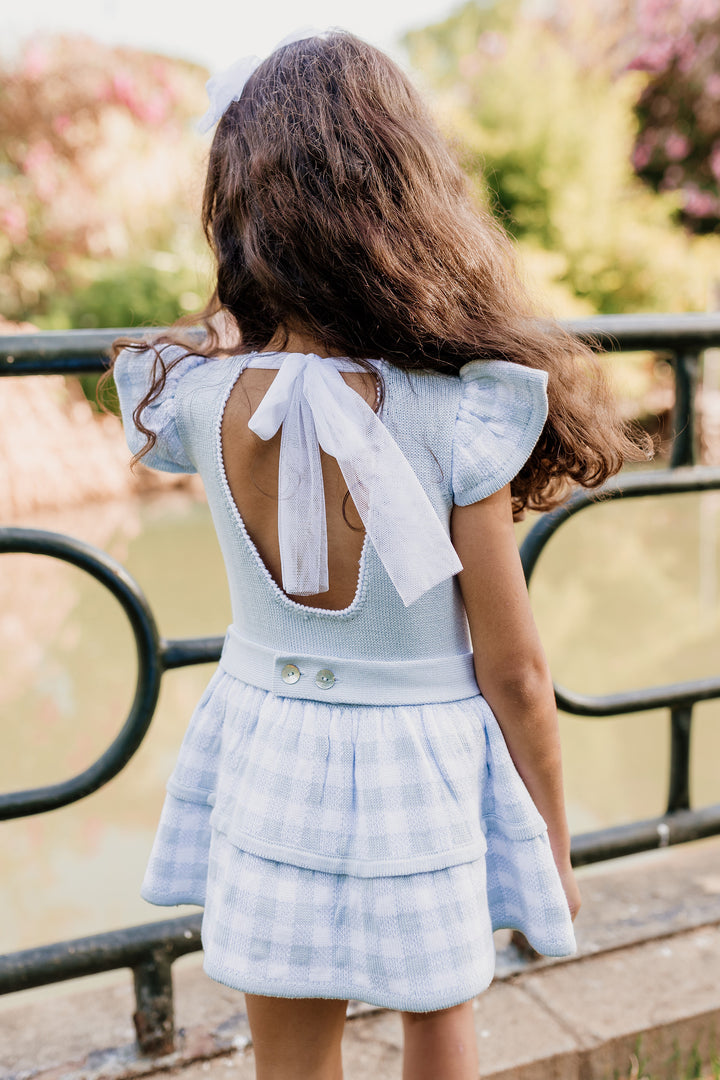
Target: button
{"x":290,"y":674}
{"x":325,"y":679}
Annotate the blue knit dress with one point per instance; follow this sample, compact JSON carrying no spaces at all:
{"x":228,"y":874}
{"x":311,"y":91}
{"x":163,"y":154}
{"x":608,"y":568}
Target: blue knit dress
{"x":343,"y":804}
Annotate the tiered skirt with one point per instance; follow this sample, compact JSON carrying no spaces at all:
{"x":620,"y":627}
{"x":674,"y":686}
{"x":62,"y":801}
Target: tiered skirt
{"x":346,"y":851}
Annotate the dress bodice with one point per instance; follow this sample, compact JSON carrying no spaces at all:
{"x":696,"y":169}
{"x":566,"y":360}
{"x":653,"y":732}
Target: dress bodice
{"x":462,"y":436}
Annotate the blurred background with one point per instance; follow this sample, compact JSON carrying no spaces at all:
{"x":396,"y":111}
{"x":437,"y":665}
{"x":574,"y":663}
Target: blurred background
{"x":593,"y":132}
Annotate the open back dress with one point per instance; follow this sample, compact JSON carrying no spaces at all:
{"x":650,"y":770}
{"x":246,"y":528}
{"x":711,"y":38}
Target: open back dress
{"x":343,"y":804}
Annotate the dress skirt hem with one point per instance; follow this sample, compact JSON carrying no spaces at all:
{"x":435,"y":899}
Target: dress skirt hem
{"x":348,"y":993}
{"x":427,"y":795}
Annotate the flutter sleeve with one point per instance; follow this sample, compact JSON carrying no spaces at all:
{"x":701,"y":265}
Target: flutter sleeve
{"x":132,"y":373}
{"x":502,"y":411}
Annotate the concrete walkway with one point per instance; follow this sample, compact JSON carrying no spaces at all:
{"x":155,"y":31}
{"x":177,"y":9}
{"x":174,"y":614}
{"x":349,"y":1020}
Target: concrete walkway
{"x":642,"y":998}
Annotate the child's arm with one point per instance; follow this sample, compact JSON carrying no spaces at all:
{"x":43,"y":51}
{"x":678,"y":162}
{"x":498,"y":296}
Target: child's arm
{"x":510,"y":664}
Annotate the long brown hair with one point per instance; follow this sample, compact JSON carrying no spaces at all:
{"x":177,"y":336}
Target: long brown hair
{"x":335,"y":209}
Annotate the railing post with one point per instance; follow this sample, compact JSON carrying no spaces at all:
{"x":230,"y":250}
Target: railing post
{"x":687,"y":368}
{"x":683,"y":453}
{"x":154,"y":1017}
{"x":679,"y":785}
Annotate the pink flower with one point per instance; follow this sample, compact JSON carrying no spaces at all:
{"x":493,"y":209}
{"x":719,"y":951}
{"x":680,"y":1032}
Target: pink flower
{"x":652,"y":16}
{"x":701,"y":10}
{"x":492,"y":43}
{"x":124,"y":90}
{"x":708,"y":47}
{"x":677,"y":146}
{"x":38,"y":157}
{"x":655,"y":58}
{"x":686,"y":52}
{"x":665,"y":27}
{"x":15,"y":223}
{"x":699,"y":203}
{"x":159,"y":71}
{"x":712,"y":85}
{"x":672,"y":178}
{"x":35,"y":60}
{"x":715,"y":160}
{"x":148,"y":110}
{"x":153,"y":111}
{"x":641,"y":156}
{"x":39,"y":165}
{"x":61,"y":124}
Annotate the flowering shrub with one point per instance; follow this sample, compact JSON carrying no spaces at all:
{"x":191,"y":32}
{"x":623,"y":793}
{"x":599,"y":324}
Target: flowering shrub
{"x":678,"y":144}
{"x":98,"y":166}
{"x":541,"y":103}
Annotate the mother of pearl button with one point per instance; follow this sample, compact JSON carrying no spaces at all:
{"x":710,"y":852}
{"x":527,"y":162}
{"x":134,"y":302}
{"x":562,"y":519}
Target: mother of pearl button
{"x":290,"y":673}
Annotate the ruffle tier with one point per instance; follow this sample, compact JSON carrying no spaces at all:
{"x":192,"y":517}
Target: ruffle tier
{"x":353,"y":851}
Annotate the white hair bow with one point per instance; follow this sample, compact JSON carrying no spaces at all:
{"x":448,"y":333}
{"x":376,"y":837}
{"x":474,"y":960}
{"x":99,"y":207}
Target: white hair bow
{"x":228,"y":85}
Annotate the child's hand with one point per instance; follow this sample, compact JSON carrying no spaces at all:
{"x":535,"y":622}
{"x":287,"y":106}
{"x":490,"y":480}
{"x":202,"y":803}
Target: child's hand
{"x":570,"y":887}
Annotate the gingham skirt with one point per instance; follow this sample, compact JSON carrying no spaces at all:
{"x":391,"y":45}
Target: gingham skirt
{"x":346,"y":851}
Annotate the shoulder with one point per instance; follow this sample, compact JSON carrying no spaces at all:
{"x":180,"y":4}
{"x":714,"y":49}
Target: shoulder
{"x":136,"y":372}
{"x":177,"y":373}
{"x":421,"y":389}
{"x":502,"y":375}
{"x":144,"y":364}
{"x":420,"y":408}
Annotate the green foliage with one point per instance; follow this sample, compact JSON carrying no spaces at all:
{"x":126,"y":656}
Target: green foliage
{"x":126,"y":294}
{"x":123,"y":295}
{"x":546,"y":129}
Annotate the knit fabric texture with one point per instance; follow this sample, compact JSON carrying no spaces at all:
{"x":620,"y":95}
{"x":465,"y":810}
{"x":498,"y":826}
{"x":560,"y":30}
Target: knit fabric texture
{"x":353,"y":850}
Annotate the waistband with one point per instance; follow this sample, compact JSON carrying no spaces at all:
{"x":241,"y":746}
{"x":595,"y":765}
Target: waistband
{"x":350,"y":682}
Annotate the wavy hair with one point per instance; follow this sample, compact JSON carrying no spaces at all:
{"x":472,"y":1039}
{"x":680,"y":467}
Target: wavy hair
{"x":335,"y":209}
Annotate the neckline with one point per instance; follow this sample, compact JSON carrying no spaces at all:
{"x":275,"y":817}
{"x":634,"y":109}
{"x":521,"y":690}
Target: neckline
{"x":342,"y":363}
{"x":278,"y":592}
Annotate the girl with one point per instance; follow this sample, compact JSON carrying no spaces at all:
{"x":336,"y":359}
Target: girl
{"x":371,"y":782}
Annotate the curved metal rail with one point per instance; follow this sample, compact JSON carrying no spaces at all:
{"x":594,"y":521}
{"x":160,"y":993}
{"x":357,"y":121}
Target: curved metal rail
{"x":679,"y":823}
{"x":154,"y":655}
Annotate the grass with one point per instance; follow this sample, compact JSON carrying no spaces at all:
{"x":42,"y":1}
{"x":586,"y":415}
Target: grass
{"x":693,"y":1070}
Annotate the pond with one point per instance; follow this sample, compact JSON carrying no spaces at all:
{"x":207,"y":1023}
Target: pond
{"x":625,"y":596}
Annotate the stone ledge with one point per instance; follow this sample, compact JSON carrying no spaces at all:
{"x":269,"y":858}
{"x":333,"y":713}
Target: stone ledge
{"x":658,"y":1002}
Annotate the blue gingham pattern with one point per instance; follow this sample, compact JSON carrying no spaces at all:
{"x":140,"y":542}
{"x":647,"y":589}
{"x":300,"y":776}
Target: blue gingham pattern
{"x":367,"y":790}
{"x":415,"y":941}
{"x":177,"y":869}
{"x":523,"y":885}
{"x":279,"y":921}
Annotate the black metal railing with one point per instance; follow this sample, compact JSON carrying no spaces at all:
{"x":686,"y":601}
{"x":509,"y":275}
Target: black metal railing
{"x":679,"y":823}
{"x":149,"y":950}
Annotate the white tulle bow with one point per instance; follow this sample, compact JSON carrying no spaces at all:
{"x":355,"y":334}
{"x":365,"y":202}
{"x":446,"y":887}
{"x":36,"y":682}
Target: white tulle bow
{"x":228,"y":85}
{"x":317,"y":408}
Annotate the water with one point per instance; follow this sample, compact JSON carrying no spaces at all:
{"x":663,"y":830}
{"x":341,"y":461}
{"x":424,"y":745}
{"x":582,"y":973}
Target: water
{"x":625,"y":596}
